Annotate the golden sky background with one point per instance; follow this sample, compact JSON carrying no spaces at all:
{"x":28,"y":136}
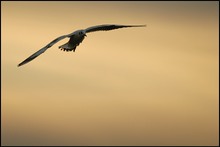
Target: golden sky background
{"x":156,"y":85}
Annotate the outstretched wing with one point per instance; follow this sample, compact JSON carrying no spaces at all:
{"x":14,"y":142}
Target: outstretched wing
{"x":107,"y":27}
{"x":42,"y":50}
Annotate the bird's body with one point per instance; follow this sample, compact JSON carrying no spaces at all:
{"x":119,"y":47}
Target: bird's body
{"x":75,"y":39}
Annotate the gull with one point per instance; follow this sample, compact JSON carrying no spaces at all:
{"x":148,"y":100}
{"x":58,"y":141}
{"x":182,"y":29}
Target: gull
{"x":76,"y":38}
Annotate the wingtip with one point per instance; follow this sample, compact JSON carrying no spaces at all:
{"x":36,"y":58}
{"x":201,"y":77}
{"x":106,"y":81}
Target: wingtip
{"x":140,"y":25}
{"x":20,"y":64}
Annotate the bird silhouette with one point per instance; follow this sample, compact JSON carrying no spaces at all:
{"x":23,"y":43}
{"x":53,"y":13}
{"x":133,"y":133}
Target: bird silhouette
{"x":76,"y":38}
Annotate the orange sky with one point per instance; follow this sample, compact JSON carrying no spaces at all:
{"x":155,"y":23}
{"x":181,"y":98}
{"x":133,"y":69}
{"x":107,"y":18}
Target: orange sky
{"x":135,"y":86}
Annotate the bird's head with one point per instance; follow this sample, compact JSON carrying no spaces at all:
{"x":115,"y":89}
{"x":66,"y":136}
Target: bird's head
{"x":81,"y":33}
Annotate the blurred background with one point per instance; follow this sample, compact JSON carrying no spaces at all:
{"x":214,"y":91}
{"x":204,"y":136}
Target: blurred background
{"x":156,"y":85}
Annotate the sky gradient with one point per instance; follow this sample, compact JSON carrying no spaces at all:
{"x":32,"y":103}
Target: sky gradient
{"x":156,"y":85}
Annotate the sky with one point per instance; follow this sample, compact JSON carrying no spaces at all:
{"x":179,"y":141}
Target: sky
{"x":156,"y":85}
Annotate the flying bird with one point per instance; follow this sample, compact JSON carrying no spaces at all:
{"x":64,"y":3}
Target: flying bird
{"x":76,"y":38}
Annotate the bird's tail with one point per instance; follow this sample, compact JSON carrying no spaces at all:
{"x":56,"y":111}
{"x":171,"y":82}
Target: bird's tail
{"x":67,"y":47}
